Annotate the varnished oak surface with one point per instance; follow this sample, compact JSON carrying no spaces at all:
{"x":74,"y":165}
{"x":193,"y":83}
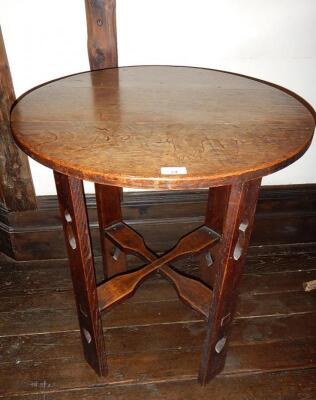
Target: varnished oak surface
{"x":120,"y":126}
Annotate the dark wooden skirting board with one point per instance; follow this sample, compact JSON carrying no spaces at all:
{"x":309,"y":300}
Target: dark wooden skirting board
{"x":285,"y":215}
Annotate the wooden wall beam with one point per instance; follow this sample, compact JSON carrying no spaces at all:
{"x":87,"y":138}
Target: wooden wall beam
{"x":16,"y":185}
{"x":102,"y":38}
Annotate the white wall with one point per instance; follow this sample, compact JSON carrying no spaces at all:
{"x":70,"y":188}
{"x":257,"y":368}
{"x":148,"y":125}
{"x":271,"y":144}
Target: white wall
{"x":270,"y":39}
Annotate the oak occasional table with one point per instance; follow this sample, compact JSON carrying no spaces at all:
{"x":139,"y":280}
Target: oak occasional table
{"x":161,"y":128}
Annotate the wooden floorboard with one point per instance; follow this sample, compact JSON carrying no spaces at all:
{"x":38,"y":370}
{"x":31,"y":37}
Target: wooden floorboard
{"x":289,"y":385}
{"x":152,"y":366}
{"x":55,"y":311}
{"x":40,"y":276}
{"x":154,"y":341}
{"x":159,"y":337}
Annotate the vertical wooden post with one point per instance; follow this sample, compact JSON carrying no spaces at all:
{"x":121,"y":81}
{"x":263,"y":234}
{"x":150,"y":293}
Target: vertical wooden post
{"x":237,"y":228}
{"x":16,"y":185}
{"x":102,"y":50}
{"x":102,"y":38}
{"x":74,"y":217}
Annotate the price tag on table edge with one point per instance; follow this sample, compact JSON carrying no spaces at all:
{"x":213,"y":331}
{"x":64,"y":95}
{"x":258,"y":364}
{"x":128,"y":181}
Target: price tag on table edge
{"x":173,"y":171}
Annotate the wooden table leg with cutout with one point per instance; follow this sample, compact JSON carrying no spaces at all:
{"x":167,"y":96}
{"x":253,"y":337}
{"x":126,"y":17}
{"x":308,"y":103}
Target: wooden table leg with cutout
{"x":108,"y":200}
{"x":77,"y":238}
{"x":240,"y":206}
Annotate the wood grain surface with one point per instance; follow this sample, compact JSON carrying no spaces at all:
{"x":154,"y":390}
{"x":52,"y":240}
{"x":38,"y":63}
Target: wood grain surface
{"x":102,"y":52}
{"x":101,"y":30}
{"x":108,"y":201}
{"x":229,"y":263}
{"x":191,"y":291}
{"x":16,"y":185}
{"x":120,"y":126}
{"x":272,"y":346}
{"x":77,"y":238}
{"x":124,"y":286}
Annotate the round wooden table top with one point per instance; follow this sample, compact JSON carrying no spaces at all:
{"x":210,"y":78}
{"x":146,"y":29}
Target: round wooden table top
{"x":161,"y":127}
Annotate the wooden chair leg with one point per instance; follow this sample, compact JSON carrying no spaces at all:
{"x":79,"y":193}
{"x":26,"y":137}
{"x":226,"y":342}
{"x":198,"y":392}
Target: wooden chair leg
{"x":76,"y":229}
{"x":214,"y":218}
{"x":108,"y":200}
{"x":242,"y":200}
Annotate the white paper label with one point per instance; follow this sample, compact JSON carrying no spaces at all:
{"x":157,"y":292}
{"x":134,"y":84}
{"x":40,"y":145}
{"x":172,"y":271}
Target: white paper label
{"x":173,"y":170}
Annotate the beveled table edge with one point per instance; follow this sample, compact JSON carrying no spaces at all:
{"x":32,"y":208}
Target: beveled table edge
{"x":169,"y":182}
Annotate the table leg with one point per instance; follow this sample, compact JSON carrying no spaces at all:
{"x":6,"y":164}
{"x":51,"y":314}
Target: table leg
{"x":76,"y":229}
{"x":241,"y":205}
{"x":108,"y":200}
{"x":214,"y":218}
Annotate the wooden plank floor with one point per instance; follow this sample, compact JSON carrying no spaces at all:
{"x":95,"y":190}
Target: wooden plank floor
{"x":154,"y":341}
